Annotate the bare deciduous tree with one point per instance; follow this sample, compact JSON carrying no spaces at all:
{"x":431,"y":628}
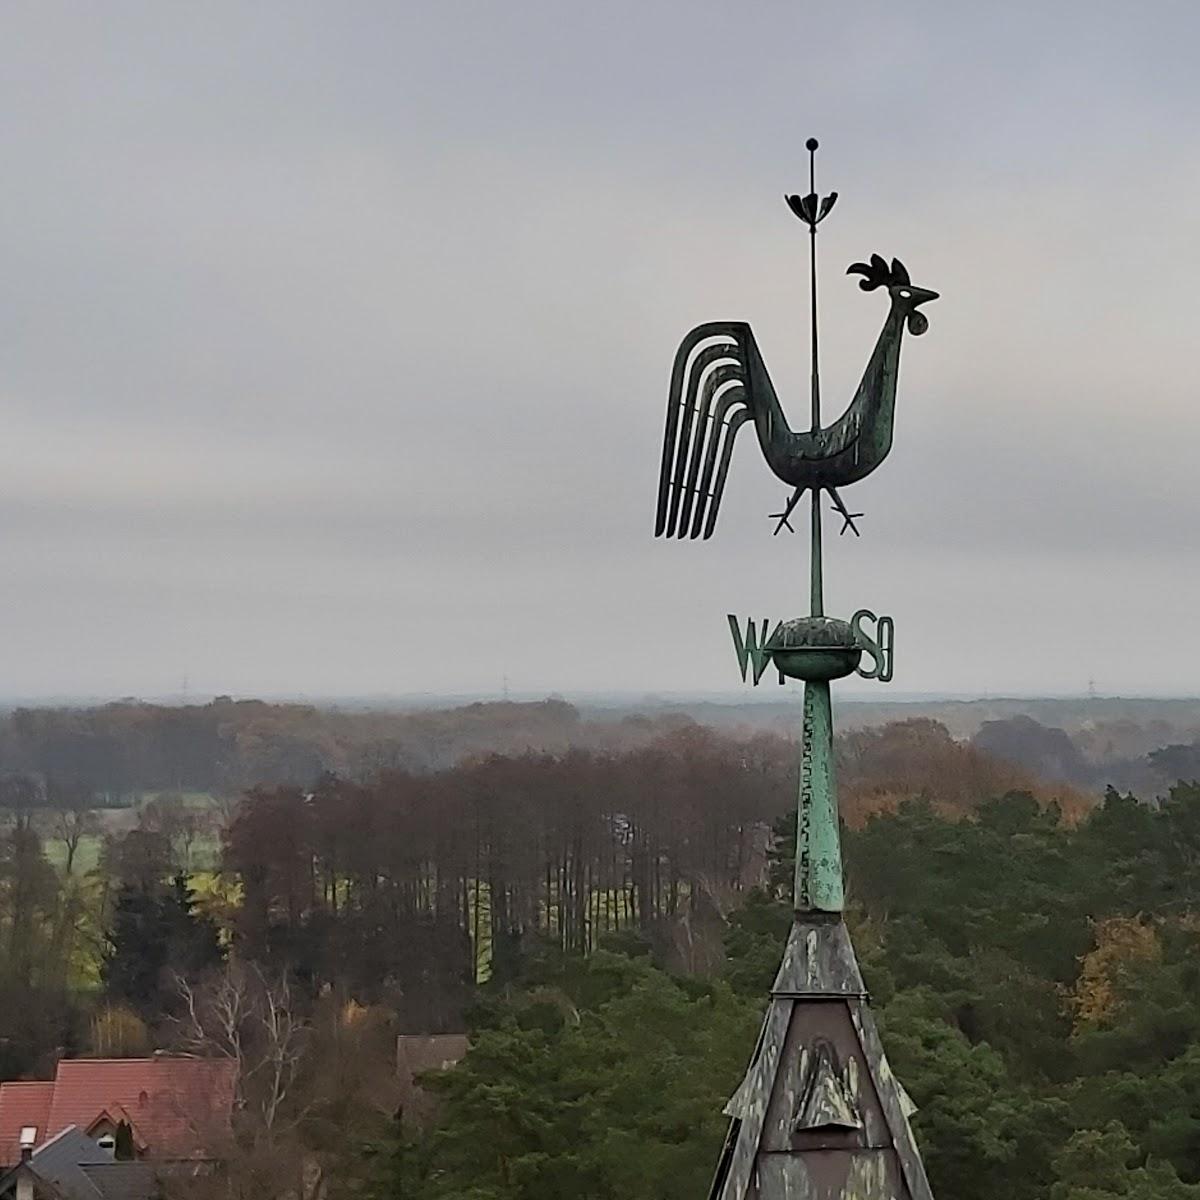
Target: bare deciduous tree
{"x":73,"y":816}
{"x":241,"y":1014}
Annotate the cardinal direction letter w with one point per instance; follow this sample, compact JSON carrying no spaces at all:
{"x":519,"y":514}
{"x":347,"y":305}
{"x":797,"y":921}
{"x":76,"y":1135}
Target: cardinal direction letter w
{"x":751,"y":653}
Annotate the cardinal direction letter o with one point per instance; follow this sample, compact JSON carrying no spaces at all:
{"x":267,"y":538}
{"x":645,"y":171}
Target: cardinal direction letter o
{"x":880,"y":647}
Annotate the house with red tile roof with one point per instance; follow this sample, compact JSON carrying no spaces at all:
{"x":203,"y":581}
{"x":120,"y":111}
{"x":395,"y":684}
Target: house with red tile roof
{"x":175,"y":1108}
{"x":22,"y":1106}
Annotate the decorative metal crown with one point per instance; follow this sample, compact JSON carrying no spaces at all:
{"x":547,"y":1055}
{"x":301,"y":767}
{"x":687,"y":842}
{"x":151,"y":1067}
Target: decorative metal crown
{"x":878,"y":274}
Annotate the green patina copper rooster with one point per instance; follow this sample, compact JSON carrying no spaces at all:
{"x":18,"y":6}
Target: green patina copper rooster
{"x":719,"y":382}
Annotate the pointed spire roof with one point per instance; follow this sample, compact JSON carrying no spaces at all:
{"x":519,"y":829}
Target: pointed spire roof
{"x":819,"y":1114}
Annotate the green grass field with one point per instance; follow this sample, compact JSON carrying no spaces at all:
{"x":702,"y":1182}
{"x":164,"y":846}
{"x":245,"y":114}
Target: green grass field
{"x":203,"y":853}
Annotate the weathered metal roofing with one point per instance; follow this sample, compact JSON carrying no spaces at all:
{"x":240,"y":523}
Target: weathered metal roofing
{"x":819,"y":1114}
{"x":124,"y":1180}
{"x":61,"y":1160}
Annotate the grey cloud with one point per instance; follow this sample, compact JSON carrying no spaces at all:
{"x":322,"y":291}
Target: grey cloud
{"x":329,"y":333}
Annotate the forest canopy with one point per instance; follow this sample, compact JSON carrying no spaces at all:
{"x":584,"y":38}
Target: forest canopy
{"x":1038,"y":988}
{"x":603,"y":919}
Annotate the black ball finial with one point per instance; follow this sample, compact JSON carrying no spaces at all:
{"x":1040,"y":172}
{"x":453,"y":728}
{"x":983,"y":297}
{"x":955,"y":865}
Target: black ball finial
{"x":811,"y":144}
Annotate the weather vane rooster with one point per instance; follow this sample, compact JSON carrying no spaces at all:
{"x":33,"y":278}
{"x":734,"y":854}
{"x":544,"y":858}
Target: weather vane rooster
{"x":719,"y":382}
{"x":819,"y":1113}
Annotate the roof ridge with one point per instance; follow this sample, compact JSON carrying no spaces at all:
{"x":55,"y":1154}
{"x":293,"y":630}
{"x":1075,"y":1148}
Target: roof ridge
{"x":51,"y":1140}
{"x":74,"y":1062}
{"x":141,"y":1058}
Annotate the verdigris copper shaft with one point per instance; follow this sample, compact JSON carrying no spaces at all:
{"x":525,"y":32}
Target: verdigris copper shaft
{"x":819,"y":1114}
{"x":818,"y":882}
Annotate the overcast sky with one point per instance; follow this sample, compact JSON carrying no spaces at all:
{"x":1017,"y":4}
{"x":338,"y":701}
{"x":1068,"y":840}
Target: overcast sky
{"x":334,"y":338}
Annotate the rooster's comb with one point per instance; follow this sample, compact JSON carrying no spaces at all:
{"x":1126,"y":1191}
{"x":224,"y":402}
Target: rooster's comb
{"x":877,"y":273}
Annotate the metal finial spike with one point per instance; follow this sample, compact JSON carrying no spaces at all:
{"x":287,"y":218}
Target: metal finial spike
{"x":812,"y":209}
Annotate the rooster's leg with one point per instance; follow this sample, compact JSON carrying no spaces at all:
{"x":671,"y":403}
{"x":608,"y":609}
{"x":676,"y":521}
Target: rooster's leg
{"x":782,"y":517}
{"x":848,"y":518}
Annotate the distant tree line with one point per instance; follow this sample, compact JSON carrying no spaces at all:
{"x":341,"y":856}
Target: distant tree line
{"x":117,"y":752}
{"x":440,"y":878}
{"x":113,"y":754}
{"x":414,"y":888}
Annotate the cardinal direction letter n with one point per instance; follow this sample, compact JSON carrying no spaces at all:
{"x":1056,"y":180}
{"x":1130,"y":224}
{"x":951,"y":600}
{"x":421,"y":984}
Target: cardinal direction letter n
{"x":751,"y":653}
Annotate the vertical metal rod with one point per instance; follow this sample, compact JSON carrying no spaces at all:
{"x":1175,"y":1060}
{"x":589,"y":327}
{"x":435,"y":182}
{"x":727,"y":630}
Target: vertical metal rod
{"x":816,"y":588}
{"x":812,"y":262}
{"x":818,"y":880}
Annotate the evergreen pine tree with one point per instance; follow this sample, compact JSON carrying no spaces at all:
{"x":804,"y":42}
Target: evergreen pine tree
{"x":193,"y":940}
{"x":153,"y":932}
{"x":123,"y":1150}
{"x":137,"y":950}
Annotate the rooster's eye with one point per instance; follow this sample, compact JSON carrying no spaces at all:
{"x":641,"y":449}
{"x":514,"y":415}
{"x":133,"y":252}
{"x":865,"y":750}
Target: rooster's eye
{"x":905,"y":294}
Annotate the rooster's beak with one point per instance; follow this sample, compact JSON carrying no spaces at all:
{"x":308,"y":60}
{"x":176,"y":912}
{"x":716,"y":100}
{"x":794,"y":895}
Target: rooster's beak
{"x":922,"y":296}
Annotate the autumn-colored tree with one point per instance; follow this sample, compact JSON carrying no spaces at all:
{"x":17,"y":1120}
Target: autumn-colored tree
{"x":918,"y":759}
{"x":118,"y":1032}
{"x":1120,"y":942}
